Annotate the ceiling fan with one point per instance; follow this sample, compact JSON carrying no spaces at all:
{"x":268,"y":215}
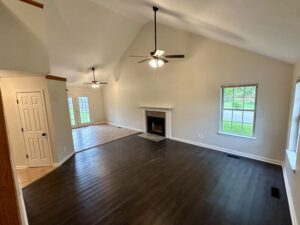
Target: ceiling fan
{"x":157,"y":57}
{"x":94,"y":83}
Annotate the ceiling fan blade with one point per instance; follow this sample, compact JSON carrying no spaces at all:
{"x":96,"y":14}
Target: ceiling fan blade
{"x":138,"y":56}
{"x":144,"y":60}
{"x":34,"y":3}
{"x":165,"y":61}
{"x":87,"y":83}
{"x":103,"y":83}
{"x":174,"y":56}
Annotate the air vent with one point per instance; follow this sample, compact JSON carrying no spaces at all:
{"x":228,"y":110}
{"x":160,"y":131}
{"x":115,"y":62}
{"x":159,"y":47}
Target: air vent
{"x":275,"y":192}
{"x":233,"y":156}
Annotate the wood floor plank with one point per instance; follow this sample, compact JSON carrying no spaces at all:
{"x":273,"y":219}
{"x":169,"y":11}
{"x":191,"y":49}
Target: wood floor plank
{"x":135,"y":181}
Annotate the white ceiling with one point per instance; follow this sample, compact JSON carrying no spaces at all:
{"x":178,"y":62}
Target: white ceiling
{"x":83,"y":33}
{"x":269,"y":27}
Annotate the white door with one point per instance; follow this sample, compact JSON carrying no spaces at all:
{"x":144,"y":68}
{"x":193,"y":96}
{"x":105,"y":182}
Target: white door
{"x":79,"y":109}
{"x":33,"y":120}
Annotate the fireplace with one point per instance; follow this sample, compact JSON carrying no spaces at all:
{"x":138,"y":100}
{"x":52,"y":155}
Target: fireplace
{"x":156,"y":122}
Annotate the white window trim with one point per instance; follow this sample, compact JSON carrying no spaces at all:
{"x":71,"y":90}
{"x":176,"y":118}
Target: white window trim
{"x":292,"y":158}
{"x":236,"y":135}
{"x":222,"y":108}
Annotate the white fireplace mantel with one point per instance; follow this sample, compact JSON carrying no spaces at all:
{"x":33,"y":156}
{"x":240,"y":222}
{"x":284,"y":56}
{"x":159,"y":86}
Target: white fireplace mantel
{"x":166,"y":109}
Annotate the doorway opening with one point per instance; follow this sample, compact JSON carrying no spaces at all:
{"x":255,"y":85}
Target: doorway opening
{"x":79,"y":109}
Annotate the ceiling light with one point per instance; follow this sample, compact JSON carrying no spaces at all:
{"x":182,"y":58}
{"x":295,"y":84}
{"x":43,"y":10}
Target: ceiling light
{"x":95,"y":85}
{"x":154,"y":63}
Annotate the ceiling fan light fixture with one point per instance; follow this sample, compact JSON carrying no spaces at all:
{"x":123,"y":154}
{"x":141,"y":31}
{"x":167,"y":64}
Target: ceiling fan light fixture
{"x":95,"y":85}
{"x":155,"y":63}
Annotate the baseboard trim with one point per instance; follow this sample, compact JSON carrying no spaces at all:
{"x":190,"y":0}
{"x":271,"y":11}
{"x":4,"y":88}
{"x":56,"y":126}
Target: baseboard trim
{"x":63,"y":160}
{"x":230,"y":151}
{"x":213,"y":147}
{"x":98,"y":123}
{"x":131,"y":128}
{"x":21,"y":167}
{"x":289,"y":196}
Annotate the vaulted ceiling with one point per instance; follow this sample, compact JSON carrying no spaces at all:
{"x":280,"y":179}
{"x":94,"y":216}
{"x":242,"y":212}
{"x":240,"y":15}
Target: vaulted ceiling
{"x":84,"y":33}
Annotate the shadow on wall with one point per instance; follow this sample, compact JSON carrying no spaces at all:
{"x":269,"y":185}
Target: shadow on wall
{"x":20,"y":48}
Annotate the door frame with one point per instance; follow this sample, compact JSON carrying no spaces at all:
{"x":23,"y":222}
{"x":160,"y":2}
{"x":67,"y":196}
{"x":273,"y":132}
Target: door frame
{"x":12,"y":208}
{"x":77,"y":110}
{"x":41,"y":91}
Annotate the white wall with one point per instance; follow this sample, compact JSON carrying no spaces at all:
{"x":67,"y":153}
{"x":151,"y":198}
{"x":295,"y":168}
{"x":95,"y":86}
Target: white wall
{"x":192,"y":86}
{"x":56,"y":110}
{"x":61,"y":129}
{"x":96,"y":101}
{"x":23,"y":40}
{"x":293,"y":178}
{"x":9,"y":86}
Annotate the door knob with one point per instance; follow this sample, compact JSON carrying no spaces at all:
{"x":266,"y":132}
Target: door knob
{"x":44,"y":134}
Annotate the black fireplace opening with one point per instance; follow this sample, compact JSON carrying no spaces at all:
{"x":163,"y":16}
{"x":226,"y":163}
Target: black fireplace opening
{"x":156,"y":123}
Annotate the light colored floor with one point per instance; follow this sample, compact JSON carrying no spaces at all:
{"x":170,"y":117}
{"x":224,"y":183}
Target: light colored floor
{"x":91,"y":136}
{"x":29,"y":175}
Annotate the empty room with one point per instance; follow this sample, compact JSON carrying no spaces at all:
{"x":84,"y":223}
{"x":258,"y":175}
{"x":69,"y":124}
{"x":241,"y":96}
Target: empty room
{"x":127,"y":112}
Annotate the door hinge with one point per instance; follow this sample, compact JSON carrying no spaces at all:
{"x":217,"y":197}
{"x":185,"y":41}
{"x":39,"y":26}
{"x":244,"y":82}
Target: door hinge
{"x":22,"y":129}
{"x":26,"y":156}
{"x":17,"y":101}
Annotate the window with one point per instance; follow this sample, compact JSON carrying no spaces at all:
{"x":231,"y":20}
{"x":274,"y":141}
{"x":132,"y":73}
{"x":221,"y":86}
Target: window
{"x":238,"y":110}
{"x":72,"y":111}
{"x":293,"y":144}
{"x":84,"y":111}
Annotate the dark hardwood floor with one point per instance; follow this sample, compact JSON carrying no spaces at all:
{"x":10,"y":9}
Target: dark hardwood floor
{"x":136,"y":181}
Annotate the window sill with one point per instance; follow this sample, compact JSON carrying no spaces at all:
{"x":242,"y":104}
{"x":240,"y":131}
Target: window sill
{"x":291,"y":155}
{"x":235,"y":135}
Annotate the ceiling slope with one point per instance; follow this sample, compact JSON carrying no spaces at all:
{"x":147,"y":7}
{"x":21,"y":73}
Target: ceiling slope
{"x":83,"y":34}
{"x":86,"y":33}
{"x":269,"y":27}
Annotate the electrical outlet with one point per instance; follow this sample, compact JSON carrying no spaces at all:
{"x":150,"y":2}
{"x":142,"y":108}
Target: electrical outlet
{"x":200,"y":135}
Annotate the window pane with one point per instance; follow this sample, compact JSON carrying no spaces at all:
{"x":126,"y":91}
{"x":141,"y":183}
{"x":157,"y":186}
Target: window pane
{"x":239,"y":92}
{"x":249,"y":103}
{"x":228,"y":92}
{"x":228,"y":102}
{"x":250,"y":92}
{"x":72,"y":111}
{"x":226,"y":126}
{"x":236,"y":128}
{"x":237,"y":116}
{"x":238,"y":103}
{"x":247,"y":129}
{"x":84,"y":109}
{"x":227,"y":115}
{"x":248,"y":117}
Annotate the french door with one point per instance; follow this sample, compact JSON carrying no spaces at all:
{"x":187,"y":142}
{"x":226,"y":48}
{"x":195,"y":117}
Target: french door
{"x":79,"y":109}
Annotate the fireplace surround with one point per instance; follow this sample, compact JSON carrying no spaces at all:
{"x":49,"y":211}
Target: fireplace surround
{"x":165,"y":110}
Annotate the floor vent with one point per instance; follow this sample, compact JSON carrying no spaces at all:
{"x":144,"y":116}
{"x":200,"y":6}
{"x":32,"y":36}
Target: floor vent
{"x":233,"y":156}
{"x":275,"y":192}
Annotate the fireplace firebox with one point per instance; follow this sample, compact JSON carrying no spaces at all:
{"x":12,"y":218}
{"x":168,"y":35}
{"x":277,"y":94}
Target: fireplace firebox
{"x":156,"y":123}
